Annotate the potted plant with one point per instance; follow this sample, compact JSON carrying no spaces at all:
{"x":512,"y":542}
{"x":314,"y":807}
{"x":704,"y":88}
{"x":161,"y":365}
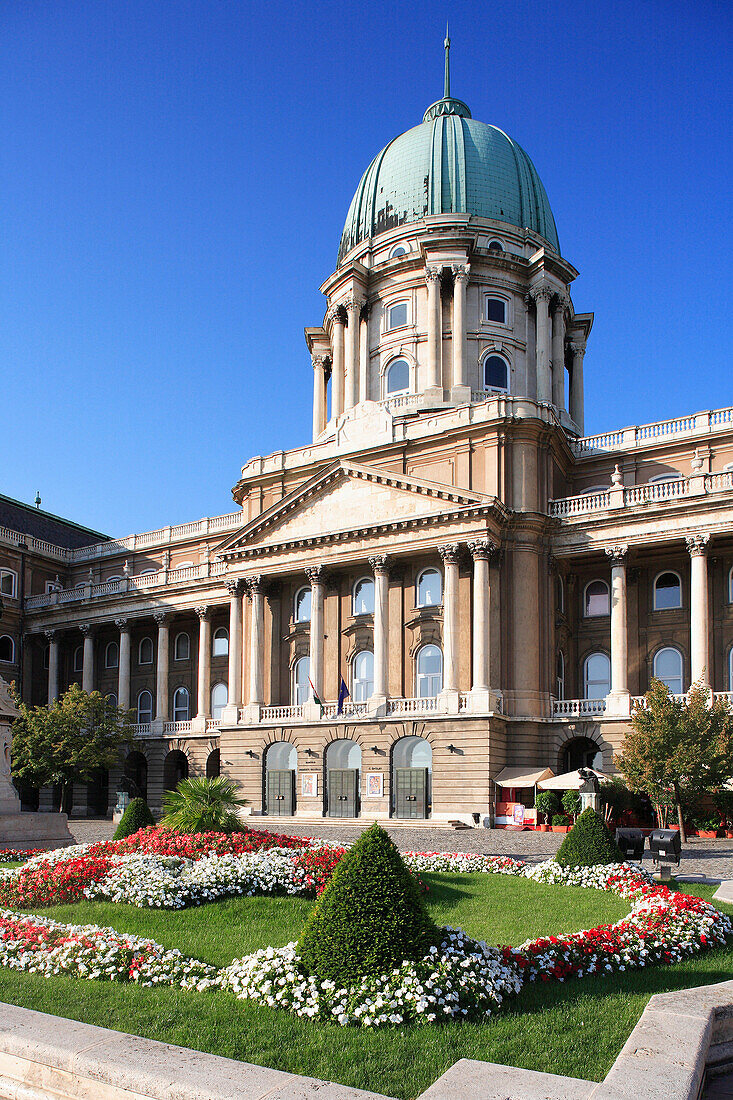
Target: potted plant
{"x":707,"y":827}
{"x":546,"y":804}
{"x":559,"y":823}
{"x":571,"y":804}
{"x":724,"y":805}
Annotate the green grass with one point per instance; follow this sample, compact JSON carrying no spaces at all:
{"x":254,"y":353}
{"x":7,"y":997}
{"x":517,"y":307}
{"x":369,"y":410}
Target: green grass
{"x":576,"y":1028}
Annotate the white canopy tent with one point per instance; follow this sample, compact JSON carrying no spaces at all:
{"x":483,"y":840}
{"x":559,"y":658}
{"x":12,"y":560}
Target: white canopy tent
{"x":569,"y":781}
{"x":521,"y":778}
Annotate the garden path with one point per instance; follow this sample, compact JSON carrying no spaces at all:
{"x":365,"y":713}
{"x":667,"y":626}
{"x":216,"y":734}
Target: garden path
{"x":712,"y":858}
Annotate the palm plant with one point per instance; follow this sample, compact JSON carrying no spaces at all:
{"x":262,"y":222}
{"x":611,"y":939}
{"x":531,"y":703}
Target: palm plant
{"x":203,"y":805}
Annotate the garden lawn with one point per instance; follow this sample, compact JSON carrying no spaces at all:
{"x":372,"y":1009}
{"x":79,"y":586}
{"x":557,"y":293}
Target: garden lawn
{"x":575,"y":1028}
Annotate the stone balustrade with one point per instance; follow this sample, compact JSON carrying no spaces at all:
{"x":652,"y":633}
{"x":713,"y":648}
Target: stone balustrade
{"x":643,"y":434}
{"x":578,"y":708}
{"x":635,"y":495}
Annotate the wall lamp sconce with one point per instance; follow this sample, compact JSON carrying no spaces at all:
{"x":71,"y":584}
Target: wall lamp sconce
{"x":310,"y":752}
{"x":228,"y":763}
{"x":452,"y":748}
{"x":375,"y":748}
{"x":251,"y":753}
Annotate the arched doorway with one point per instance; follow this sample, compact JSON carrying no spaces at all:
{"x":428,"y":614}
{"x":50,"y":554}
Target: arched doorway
{"x":412,"y":768}
{"x":98,"y":792}
{"x":581,"y":752}
{"x":175,"y":769}
{"x":343,"y":772}
{"x":213,"y":764}
{"x":135,"y":777}
{"x":281,"y":765}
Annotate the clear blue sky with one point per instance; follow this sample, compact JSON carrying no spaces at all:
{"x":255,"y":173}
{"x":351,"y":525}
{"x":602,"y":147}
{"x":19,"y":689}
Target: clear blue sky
{"x":174,"y":179}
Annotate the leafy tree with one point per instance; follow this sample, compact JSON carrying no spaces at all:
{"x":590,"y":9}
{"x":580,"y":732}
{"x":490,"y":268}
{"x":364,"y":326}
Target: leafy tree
{"x":202,"y":805}
{"x":588,"y":843}
{"x":65,"y":742}
{"x":677,"y":746}
{"x":571,"y":804}
{"x":137,"y":816}
{"x":546,"y":803}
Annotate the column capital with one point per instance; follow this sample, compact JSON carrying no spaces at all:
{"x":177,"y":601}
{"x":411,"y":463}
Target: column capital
{"x":482,"y":548}
{"x":578,"y":350}
{"x":123,"y":626}
{"x":697,"y":545}
{"x":379,"y":563}
{"x":562,"y":303}
{"x":432,"y":274}
{"x":203,"y":612}
{"x":460,"y":272}
{"x":161,"y":618}
{"x":234,"y":587}
{"x":617,"y":554}
{"x":541,"y":293}
{"x":335,"y":314}
{"x":253,"y":584}
{"x":353,"y":304}
{"x":316,"y":574}
{"x":87,"y":629}
{"x":450,"y":553}
{"x":318,"y":361}
{"x":50,"y":635}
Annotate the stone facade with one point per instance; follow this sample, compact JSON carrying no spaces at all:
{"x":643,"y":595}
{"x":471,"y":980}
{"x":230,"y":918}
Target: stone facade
{"x":493,"y":587}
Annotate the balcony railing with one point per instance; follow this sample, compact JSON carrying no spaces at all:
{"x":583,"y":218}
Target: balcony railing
{"x":577,"y":708}
{"x":633,"y":496}
{"x":128,"y":585}
{"x":278,"y":714}
{"x":411,"y":706}
{"x":642,"y":434}
{"x":349,"y":709}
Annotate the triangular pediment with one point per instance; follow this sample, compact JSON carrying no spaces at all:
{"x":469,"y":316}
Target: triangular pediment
{"x":349,"y":497}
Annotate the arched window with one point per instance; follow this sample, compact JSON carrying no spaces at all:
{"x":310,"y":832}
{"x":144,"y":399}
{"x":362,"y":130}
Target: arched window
{"x":560,"y":675}
{"x":8,"y":582}
{"x":302,"y":605}
{"x":182,"y":647}
{"x":667,"y":591}
{"x":397,"y":377}
{"x":144,"y":708}
{"x":175,"y":769}
{"x":398,"y":250}
{"x":213,"y":764}
{"x":429,"y":589}
{"x":135,"y":779}
{"x":145,"y":651}
{"x":668,"y":667}
{"x":111,"y":655}
{"x":7,"y":649}
{"x":219,"y":699}
{"x":78,"y":658}
{"x":111,"y":698}
{"x":496,"y":310}
{"x":301,"y":682}
{"x":596,"y":599}
{"x":596,"y":676}
{"x":220,"y":642}
{"x":429,"y":672}
{"x":397,"y":315}
{"x":181,"y":705}
{"x":496,"y":246}
{"x":671,"y":475}
{"x":363,"y":598}
{"x":362,"y":676}
{"x":496,"y":373}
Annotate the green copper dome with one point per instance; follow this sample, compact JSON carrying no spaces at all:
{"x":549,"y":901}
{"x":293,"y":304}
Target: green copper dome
{"x":450,"y":164}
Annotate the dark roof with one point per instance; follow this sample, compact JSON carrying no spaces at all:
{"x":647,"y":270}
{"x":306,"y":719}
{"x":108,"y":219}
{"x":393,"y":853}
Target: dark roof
{"x":44,"y":526}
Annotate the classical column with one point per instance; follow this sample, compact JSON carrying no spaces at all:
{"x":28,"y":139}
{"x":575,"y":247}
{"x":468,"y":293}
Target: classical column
{"x":577,"y":401}
{"x":87,"y":675}
{"x":353,"y":311}
{"x":481,"y":551}
{"x":203,"y":690}
{"x":316,"y":576}
{"x":364,"y":356}
{"x":697,"y":546}
{"x":558,"y":353}
{"x":435,"y":330}
{"x":618,"y":700}
{"x":256,"y":641}
{"x":123,"y":672}
{"x":234,"y":588}
{"x":162,"y":712}
{"x":380,"y":568}
{"x":460,"y":363}
{"x":450,"y":556}
{"x":319,"y":395}
{"x":542,"y":296}
{"x":53,"y":665}
{"x":337,"y":351}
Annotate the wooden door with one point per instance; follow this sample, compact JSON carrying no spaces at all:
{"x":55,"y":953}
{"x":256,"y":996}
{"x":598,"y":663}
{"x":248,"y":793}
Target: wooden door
{"x":411,"y":792}
{"x":343,"y":792}
{"x":280,"y":793}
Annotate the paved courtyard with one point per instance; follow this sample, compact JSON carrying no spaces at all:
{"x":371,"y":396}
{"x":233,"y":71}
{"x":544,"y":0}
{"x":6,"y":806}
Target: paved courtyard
{"x":710,"y":858}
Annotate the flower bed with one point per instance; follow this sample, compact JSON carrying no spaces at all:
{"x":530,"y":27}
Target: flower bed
{"x":458,"y":978}
{"x":10,"y":855}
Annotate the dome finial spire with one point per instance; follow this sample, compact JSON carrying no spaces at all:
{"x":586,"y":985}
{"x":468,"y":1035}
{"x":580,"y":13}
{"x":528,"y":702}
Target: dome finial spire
{"x":446,"y":86}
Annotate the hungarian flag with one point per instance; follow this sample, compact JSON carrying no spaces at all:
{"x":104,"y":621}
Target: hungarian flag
{"x":343,"y":696}
{"x":316,"y":698}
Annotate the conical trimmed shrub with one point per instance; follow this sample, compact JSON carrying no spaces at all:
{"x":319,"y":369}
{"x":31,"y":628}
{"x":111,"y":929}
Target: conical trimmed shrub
{"x":370,"y":918}
{"x":136,"y":816}
{"x":588,"y":842}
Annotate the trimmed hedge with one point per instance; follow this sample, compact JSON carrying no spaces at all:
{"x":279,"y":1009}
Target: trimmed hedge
{"x":136,"y":816}
{"x":588,"y":842}
{"x":370,"y":918}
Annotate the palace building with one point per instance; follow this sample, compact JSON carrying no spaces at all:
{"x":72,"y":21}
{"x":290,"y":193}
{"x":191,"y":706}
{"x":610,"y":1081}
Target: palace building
{"x":493,"y":586}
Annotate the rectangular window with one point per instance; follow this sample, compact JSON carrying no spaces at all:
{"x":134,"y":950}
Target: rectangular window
{"x":397,"y":315}
{"x":7,"y":583}
{"x":496,"y":310}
